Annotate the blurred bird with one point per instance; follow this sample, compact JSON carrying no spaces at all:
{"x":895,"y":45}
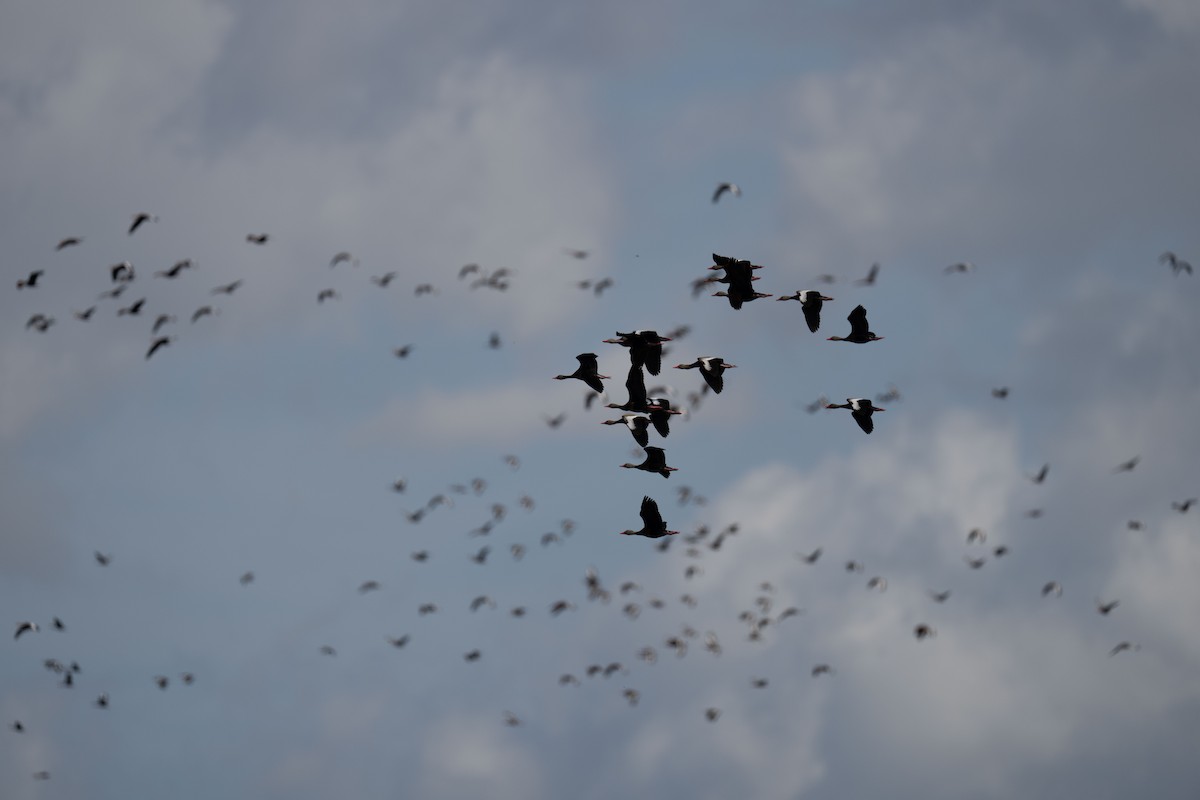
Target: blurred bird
{"x":70,"y":241}
{"x":1177,"y":264}
{"x":872,"y":274}
{"x":258,"y":238}
{"x":1129,"y":465}
{"x":1052,"y":588}
{"x":24,"y":627}
{"x":1040,"y":476}
{"x":726,"y":188}
{"x":924,"y":631}
{"x":31,"y":281}
{"x":1106,"y":608}
{"x":140,"y":219}
{"x":158,"y":344}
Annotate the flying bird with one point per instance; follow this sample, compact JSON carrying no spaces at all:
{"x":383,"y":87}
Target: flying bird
{"x":1183,"y":507}
{"x":257,"y":238}
{"x":32,"y":281}
{"x":861,"y":409}
{"x":1121,"y":647}
{"x":587,"y":371}
{"x":202,"y":311}
{"x":132,"y":310}
{"x":645,"y":348}
{"x":1177,"y":264}
{"x":872,"y":274}
{"x":656,"y":461}
{"x":712,"y":369}
{"x":1052,"y":588}
{"x":70,"y":241}
{"x":342,"y":258}
{"x":654,"y":526}
{"x":726,"y":188}
{"x":961,"y":266}
{"x":810,"y":558}
{"x":1000,"y":392}
{"x":23,"y":627}
{"x":140,"y":219}
{"x":1107,"y":608}
{"x":174,"y":271}
{"x":228,"y":288}
{"x":383,"y":280}
{"x":859,"y":328}
{"x":1040,"y":476}
{"x":326,"y":294}
{"x":158,"y":344}
{"x":810,"y":303}
{"x":1128,"y":465}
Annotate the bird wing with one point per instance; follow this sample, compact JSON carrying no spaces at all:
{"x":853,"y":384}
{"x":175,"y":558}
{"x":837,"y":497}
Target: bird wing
{"x":651,"y":516}
{"x":635,"y":384}
{"x":713,"y":376}
{"x":639,"y":430}
{"x":858,"y":321}
{"x":812,"y":314}
{"x":863,"y":417}
{"x":656,"y":459}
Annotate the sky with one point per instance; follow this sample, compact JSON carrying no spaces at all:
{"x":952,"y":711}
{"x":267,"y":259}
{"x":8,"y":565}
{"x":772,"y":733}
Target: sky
{"x":1050,"y":146}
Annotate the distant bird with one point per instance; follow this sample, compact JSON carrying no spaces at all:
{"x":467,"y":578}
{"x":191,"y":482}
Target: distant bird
{"x":494,"y":341}
{"x":577,"y":254}
{"x":818,"y":404}
{"x":635,"y":388}
{"x":160,"y":320}
{"x":556,"y":420}
{"x":1000,"y":392}
{"x":158,"y":344}
{"x":70,"y":241}
{"x":890,"y":396}
{"x":810,"y":303}
{"x":187,"y":678}
{"x":759,"y":683}
{"x":398,"y":642}
{"x":17,"y":726}
{"x":133,"y":309}
{"x":326,"y":294}
{"x":878,"y":582}
{"x":228,"y":288}
{"x":86,"y":314}
{"x":32,"y":281}
{"x":559,"y":607}
{"x":368,"y":586}
{"x":427,"y":608}
{"x":58,"y":624}
{"x":1052,"y":588}
{"x":712,"y":369}
{"x":601,"y":285}
{"x":102,"y":559}
{"x":976,"y":535}
{"x":872,"y":274}
{"x":481,"y":556}
{"x":1000,"y":551}
{"x":939,"y":597}
{"x":511,"y":719}
{"x":1128,"y":465}
{"x":859,"y":328}
{"x":342,"y":258}
{"x":726,"y":188}
{"x":1123,"y":647}
{"x":257,"y":238}
{"x":161,"y":681}
{"x":121,"y":273}
{"x":1183,"y":507}
{"x":1134,"y":525}
{"x":473,"y":655}
{"x":712,"y":714}
{"x":1177,"y":264}
{"x":481,"y":601}
{"x":656,"y":461}
{"x":102,"y":700}
{"x":246,"y":579}
{"x":810,"y":558}
{"x":327,"y":650}
{"x":654,"y":526}
{"x":382,"y":281}
{"x":23,"y":627}
{"x":961,"y":266}
{"x":41,"y":776}
{"x":140,"y":219}
{"x":645,"y":348}
{"x":924,"y":631}
{"x":399,"y":485}
{"x":587,"y":371}
{"x":1107,"y":608}
{"x":861,"y":409}
{"x":822,"y":669}
{"x":974,"y":563}
{"x":632,"y":695}
{"x":1040,"y":476}
{"x":174,"y":271}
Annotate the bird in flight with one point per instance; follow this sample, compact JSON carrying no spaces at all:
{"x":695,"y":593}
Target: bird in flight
{"x":24,"y":627}
{"x":1128,"y":466}
{"x":712,"y":369}
{"x":656,"y":461}
{"x":654,"y":527}
{"x":872,"y":274}
{"x":140,"y":219}
{"x":383,"y":280}
{"x":726,"y":188}
{"x":258,"y":238}
{"x":158,"y":344}
{"x":810,"y":304}
{"x":1040,"y":476}
{"x":1177,"y":264}
{"x":859,"y":328}
{"x":32,"y":281}
{"x":70,"y":241}
{"x":861,"y":409}
{"x":587,"y":371}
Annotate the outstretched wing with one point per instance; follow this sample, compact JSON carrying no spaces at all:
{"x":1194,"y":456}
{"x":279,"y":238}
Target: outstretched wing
{"x":858,"y":321}
{"x":650,"y":515}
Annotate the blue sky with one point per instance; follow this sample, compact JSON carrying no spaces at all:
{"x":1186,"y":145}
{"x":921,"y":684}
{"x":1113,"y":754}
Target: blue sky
{"x":1051,"y":146}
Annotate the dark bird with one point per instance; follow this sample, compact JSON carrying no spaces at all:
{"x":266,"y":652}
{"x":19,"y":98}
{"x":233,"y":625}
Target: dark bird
{"x":759,"y":683}
{"x":160,"y":320}
{"x":976,"y":535}
{"x":18,"y":727}
{"x":660,"y":415}
{"x":481,"y":601}
{"x":398,"y":642}
{"x":228,"y":288}
{"x":859,"y":329}
{"x":202,"y":311}
{"x":712,"y":714}
{"x":473,"y":655}
{"x":58,"y":624}
{"x":939,"y":597}
{"x":559,"y":607}
{"x":481,"y":556}
{"x":102,"y":559}
{"x":645,"y":348}
{"x":25,"y":626}
{"x":1128,"y":465}
{"x":810,"y":303}
{"x":556,"y":420}
{"x":114,"y":293}
{"x":577,"y":254}
{"x":32,"y":281}
{"x":174,"y":271}
{"x":70,"y":241}
{"x":818,"y":404}
{"x":878,"y":582}
{"x":1183,"y":507}
{"x":1000,"y":392}
{"x":326,"y":294}
{"x":1040,"y":476}
{"x":861,"y":409}
{"x":961,"y":266}
{"x":342,"y":258}
{"x":140,"y":219}
{"x":1106,"y":608}
{"x":654,"y":527}
{"x":1122,"y":647}
{"x":1000,"y":551}
{"x":257,"y":238}
{"x":327,"y":650}
{"x":974,"y":563}
{"x":656,"y":461}
{"x":41,"y":776}
{"x":601,"y":285}
{"x":161,"y":681}
{"x":102,"y":700}
{"x":121,"y":273}
{"x":383,"y":280}
{"x":246,"y":579}
{"x":712,"y":369}
{"x":86,"y":314}
{"x":637,"y":424}
{"x":1134,"y":525}
{"x":132,"y":310}
{"x":427,"y":608}
{"x":588,"y":372}
{"x":872,"y":274}
{"x":368,"y":586}
{"x":822,"y":669}
{"x":1052,"y":588}
{"x":635,"y":387}
{"x":494,"y":341}
{"x":924,"y":631}
{"x":158,"y":344}
{"x":511,"y":719}
{"x":726,"y":188}
{"x":1177,"y":264}
{"x":810,"y":558}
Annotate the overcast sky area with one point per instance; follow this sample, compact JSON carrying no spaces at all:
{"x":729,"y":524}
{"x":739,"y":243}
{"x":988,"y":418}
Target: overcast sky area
{"x":1053,"y":146}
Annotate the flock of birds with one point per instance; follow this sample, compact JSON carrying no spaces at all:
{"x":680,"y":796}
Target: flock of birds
{"x":642,"y":412}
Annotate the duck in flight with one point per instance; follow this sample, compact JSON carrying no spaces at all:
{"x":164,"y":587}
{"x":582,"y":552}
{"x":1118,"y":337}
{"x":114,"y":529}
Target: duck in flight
{"x":810,"y":303}
{"x":859,"y":328}
{"x":645,"y":348}
{"x":861,"y":409}
{"x":637,"y":424}
{"x":588,"y":372}
{"x":712,"y":369}
{"x":653,"y":525}
{"x":140,"y":219}
{"x":656,"y":461}
{"x":726,"y":188}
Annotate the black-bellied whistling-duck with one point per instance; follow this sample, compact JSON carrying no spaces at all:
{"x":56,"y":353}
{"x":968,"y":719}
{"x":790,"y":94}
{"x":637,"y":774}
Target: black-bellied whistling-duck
{"x":726,"y":188}
{"x":635,"y":385}
{"x":1177,"y":264}
{"x":32,"y":281}
{"x":872,"y":274}
{"x":158,"y":344}
{"x":637,"y":424}
{"x":861,"y":409}
{"x":22,"y":627}
{"x":656,"y":461}
{"x":645,"y":348}
{"x":739,"y":276}
{"x":588,"y":372}
{"x":859,"y":329}
{"x":810,"y":303}
{"x":258,"y":238}
{"x":139,"y":219}
{"x":660,"y":415}
{"x":70,"y":241}
{"x":653,"y":525}
{"x":712,"y":369}
{"x":174,"y":271}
